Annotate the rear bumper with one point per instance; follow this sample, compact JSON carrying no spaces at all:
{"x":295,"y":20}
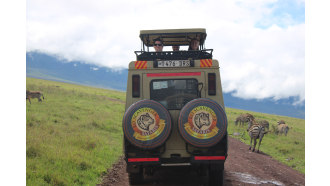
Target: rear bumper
{"x":194,"y":160}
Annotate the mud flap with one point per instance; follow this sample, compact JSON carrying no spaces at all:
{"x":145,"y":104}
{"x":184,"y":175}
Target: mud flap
{"x":136,"y":178}
{"x":216,"y":175}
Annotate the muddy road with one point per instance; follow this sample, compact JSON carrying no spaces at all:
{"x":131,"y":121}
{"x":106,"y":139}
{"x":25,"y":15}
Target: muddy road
{"x":242,"y":167}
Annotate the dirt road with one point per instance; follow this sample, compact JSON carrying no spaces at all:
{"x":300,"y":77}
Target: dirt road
{"x":242,"y":167}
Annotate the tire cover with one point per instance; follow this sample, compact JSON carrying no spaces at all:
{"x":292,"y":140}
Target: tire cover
{"x":202,"y":122}
{"x":147,"y":124}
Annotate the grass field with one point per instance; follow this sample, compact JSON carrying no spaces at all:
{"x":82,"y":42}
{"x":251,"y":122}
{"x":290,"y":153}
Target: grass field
{"x":75,"y":134}
{"x":289,"y":149}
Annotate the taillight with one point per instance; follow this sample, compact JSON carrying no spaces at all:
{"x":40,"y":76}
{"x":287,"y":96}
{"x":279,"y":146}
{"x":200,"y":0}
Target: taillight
{"x":212,"y":84}
{"x":210,"y":158}
{"x":142,"y":159}
{"x":136,"y":86}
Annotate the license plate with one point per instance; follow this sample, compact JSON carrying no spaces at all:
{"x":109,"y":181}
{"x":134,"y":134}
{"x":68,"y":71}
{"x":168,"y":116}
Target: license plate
{"x":174,"y":63}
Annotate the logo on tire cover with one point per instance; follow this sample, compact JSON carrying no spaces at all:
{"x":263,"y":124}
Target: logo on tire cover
{"x":202,"y":123}
{"x":147,"y":124}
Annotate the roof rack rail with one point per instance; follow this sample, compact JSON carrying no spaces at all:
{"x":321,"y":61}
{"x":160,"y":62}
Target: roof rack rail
{"x":171,"y":55}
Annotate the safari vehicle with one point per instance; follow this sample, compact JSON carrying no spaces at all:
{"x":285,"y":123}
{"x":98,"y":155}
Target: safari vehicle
{"x":175,"y":114}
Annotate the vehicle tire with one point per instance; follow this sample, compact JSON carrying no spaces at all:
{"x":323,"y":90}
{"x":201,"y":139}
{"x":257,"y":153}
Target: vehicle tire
{"x":147,"y":124}
{"x":135,"y":178}
{"x":202,"y":122}
{"x":216,"y":177}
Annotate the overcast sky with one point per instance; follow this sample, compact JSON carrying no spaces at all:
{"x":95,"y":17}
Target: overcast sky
{"x":260,"y":44}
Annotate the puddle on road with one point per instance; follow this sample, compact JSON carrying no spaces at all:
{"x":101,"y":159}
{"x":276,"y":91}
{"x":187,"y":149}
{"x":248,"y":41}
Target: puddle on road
{"x":247,"y":178}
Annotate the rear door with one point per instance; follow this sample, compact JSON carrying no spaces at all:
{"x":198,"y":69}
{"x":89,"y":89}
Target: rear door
{"x":173,"y":90}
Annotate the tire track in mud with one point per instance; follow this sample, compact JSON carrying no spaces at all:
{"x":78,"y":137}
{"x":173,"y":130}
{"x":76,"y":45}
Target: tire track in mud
{"x":242,"y":167}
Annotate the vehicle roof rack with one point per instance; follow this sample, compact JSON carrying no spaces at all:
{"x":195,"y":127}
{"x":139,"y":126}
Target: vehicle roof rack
{"x":172,"y":37}
{"x":174,"y":55}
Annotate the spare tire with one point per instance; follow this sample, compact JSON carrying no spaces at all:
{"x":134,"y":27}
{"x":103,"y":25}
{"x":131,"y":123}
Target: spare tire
{"x":147,"y":124}
{"x":202,"y":122}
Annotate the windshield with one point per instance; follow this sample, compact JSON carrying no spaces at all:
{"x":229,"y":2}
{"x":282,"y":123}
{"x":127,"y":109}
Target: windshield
{"x":173,"y":93}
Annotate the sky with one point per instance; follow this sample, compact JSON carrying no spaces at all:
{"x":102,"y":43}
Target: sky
{"x":260,"y":44}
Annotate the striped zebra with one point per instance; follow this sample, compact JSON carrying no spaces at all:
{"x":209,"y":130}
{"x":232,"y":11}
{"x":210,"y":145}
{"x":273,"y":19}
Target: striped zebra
{"x":248,"y":116}
{"x":243,"y":118}
{"x":256,"y":131}
{"x":34,"y":94}
{"x":264,"y":123}
{"x":282,"y":128}
{"x":239,"y":119}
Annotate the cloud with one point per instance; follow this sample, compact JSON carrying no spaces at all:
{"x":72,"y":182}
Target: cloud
{"x":260,"y":65}
{"x":259,"y":44}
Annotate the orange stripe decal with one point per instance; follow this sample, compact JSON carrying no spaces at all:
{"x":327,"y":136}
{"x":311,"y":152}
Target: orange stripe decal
{"x":205,"y":63}
{"x":140,"y":64}
{"x":144,"y":65}
{"x":210,"y":62}
{"x":202,"y":63}
{"x":136,"y":64}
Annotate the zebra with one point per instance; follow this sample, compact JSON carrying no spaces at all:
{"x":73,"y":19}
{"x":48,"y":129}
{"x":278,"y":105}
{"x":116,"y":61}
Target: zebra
{"x":264,"y":123}
{"x":282,"y":128}
{"x":243,"y":118}
{"x":248,"y":115}
{"x":239,"y":119}
{"x":34,"y":94}
{"x":256,"y":131}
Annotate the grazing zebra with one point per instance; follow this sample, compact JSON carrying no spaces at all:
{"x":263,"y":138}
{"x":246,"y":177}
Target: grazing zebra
{"x":239,"y":119}
{"x":256,"y":131}
{"x":34,"y":94}
{"x":264,"y":123}
{"x":281,"y":122}
{"x":283,"y":128}
{"x":248,"y":116}
{"x":243,"y":118}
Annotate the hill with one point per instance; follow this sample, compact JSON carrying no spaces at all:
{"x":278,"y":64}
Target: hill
{"x":44,"y":66}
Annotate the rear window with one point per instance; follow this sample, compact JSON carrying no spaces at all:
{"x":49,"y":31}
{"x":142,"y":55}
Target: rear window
{"x":174,"y":93}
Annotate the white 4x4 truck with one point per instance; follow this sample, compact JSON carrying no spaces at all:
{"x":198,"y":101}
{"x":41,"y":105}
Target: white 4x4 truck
{"x":175,"y":114}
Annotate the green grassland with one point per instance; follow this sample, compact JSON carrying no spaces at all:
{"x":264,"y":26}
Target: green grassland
{"x":75,"y":134}
{"x":289,"y":149}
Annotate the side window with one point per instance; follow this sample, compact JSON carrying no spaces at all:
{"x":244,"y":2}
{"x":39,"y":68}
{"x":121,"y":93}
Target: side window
{"x":212,"y":84}
{"x":136,"y":86}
